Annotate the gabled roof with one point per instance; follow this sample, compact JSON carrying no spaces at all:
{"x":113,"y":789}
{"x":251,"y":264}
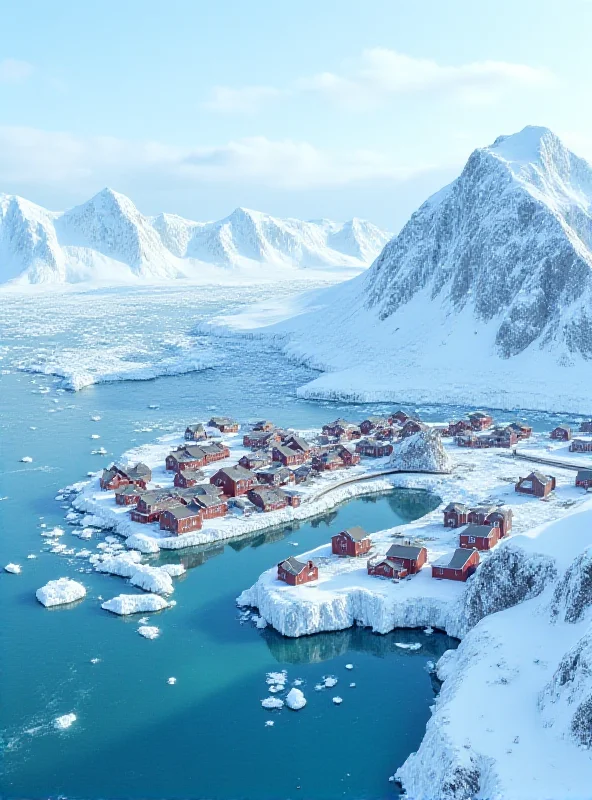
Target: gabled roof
{"x":286,"y":451}
{"x":198,"y":427}
{"x":301,"y":443}
{"x":410,"y":551}
{"x":540,"y":477}
{"x":478,"y":415}
{"x":584,"y":475}
{"x":456,"y":507}
{"x":268,"y":494}
{"x":456,"y":560}
{"x":222,"y":421}
{"x":207,"y":500}
{"x":293,"y":566}
{"x":237,"y":473}
{"x":183,"y":512}
{"x":130,"y":489}
{"x":478,"y":530}
{"x":562,"y":428}
{"x":356,"y":534}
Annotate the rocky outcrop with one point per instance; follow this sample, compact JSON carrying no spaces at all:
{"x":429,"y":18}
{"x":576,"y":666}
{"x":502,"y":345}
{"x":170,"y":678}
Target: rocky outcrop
{"x":422,"y":452}
{"x":573,"y":595}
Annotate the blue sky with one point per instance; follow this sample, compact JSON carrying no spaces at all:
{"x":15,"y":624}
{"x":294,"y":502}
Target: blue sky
{"x":308,"y":109}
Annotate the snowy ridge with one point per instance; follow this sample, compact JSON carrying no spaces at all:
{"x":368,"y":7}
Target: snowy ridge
{"x":107,"y":239}
{"x":484,"y":296}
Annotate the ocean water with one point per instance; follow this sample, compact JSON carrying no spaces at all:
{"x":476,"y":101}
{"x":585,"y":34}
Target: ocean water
{"x":136,"y":736}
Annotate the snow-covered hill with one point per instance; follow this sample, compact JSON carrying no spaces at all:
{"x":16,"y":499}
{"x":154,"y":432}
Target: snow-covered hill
{"x":107,"y":239}
{"x":484,"y":297}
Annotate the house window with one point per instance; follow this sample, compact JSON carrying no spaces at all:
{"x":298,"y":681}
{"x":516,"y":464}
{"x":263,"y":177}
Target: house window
{"x":471,"y":540}
{"x":343,"y":544}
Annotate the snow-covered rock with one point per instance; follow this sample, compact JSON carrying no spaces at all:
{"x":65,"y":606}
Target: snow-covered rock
{"x":15,"y":569}
{"x":149,"y":631}
{"x":143,"y":543}
{"x":295,"y":699}
{"x":421,"y":451}
{"x":59,"y":592}
{"x":125,"y":604}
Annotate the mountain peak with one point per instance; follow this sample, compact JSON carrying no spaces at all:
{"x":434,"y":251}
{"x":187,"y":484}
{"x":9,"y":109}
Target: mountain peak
{"x":528,"y":146}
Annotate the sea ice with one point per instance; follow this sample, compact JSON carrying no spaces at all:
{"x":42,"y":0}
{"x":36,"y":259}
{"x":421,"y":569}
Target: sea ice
{"x":295,"y":699}
{"x":135,"y":603}
{"x":272,"y":702}
{"x":60,"y":591}
{"x":260,"y":622}
{"x":171,"y":681}
{"x":174,"y":570}
{"x":63,"y":722}
{"x":352,"y":685}
{"x":143,"y":543}
{"x":31,"y":555}
{"x":269,"y":723}
{"x":276,"y":677}
{"x":95,"y":436}
{"x":14,"y":568}
{"x":338,"y":701}
{"x":149,"y":631}
{"x":95,"y":418}
{"x":26,"y":459}
{"x":413,"y":646}
{"x":330,"y":681}
{"x":349,"y":666}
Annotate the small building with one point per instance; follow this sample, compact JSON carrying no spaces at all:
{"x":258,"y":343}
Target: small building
{"x":459,"y":427}
{"x":373,"y":422}
{"x":275,"y":475}
{"x":351,"y":542}
{"x":584,"y":478}
{"x":234,"y":481}
{"x":186,"y":478}
{"x":335,"y":459}
{"x":562,"y":433}
{"x":501,"y":437}
{"x":181,"y":518}
{"x":268,"y":498}
{"x":581,"y":446}
{"x":116,"y":476}
{"x":456,"y":515}
{"x":211,"y":506}
{"x":263,"y":425}
{"x":259,"y":440}
{"x":128,"y":495}
{"x":298,"y":444}
{"x":195,"y":433}
{"x":295,"y":572}
{"x":151,"y":505}
{"x":188,"y":457}
{"x":303,"y":473}
{"x":480,"y":421}
{"x":521,"y":430}
{"x":411,"y":427}
{"x":386,"y":568}
{"x":224,"y":424}
{"x":500,"y":518}
{"x":411,"y":557}
{"x":586,"y":426}
{"x":255,"y":461}
{"x":470,"y":439}
{"x":215,"y":451}
{"x":481,"y":537}
{"x":286,"y":456}
{"x":400,"y":416}
{"x":342,"y":429}
{"x":458,"y":566}
{"x":536,"y":484}
{"x":373,"y":448}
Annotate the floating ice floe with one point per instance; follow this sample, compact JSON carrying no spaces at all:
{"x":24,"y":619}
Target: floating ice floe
{"x":276,"y":677}
{"x":153,"y":405}
{"x":269,"y":723}
{"x":95,"y":660}
{"x":260,"y":622}
{"x":330,"y":681}
{"x":338,"y":701}
{"x":149,"y":631}
{"x":95,"y":418}
{"x":26,"y":459}
{"x":352,"y":685}
{"x":295,"y":699}
{"x":413,"y":646}
{"x":125,"y":604}
{"x":100,"y":451}
{"x":171,"y":681}
{"x":31,"y":555}
{"x":95,"y":436}
{"x":53,"y":532}
{"x":349,"y":666}
{"x":428,"y":631}
{"x":59,"y":592}
{"x":298,"y":682}
{"x":63,"y":722}
{"x":272,"y":702}
{"x":14,"y":568}
{"x":32,"y":427}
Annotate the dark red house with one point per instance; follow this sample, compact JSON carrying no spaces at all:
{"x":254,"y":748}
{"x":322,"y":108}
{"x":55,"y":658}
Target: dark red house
{"x":386,"y":568}
{"x":459,"y":427}
{"x":234,"y":481}
{"x":456,"y":567}
{"x":276,"y":475}
{"x":496,"y":516}
{"x":128,"y":495}
{"x":215,"y":451}
{"x":584,"y":478}
{"x":224,"y":424}
{"x":561,"y":432}
{"x":501,"y":437}
{"x":480,"y":421}
{"x":211,"y":506}
{"x":286,"y":456}
{"x":521,"y":430}
{"x":481,"y":537}
{"x":581,"y":446}
{"x":298,"y":444}
{"x":411,"y":557}
{"x":400,"y":416}
{"x":152,"y":504}
{"x":373,"y":422}
{"x":342,"y":429}
{"x":181,"y":519}
{"x":297,"y":572}
{"x":268,"y":498}
{"x":255,"y":461}
{"x":373,"y":448}
{"x":411,"y":427}
{"x":456,"y":515}
{"x":186,"y":478}
{"x":536,"y":484}
{"x":263,"y":425}
{"x":195,"y":433}
{"x":116,"y":476}
{"x":188,"y":457}
{"x":351,"y":542}
{"x":258,"y":440}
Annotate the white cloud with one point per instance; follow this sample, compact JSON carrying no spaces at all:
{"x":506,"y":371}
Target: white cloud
{"x":380,"y":73}
{"x":32,"y":157}
{"x":245,"y":100}
{"x":13,"y":71}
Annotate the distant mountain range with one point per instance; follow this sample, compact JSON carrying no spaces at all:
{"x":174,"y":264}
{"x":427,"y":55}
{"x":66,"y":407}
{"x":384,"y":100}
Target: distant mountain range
{"x":484,"y":296}
{"x":107,"y":239}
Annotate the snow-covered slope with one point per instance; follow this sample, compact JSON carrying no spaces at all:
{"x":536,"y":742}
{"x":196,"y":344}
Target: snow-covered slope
{"x":107,"y":239}
{"x":483,"y":297}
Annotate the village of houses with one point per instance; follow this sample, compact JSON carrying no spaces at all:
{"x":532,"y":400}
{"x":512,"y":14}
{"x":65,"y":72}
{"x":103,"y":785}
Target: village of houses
{"x":222,"y":481}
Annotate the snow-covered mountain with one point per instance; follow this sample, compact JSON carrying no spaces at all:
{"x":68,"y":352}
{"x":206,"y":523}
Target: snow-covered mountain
{"x":109,"y":240}
{"x":484,"y":296}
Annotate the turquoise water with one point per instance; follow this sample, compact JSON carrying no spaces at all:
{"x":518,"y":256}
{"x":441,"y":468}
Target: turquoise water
{"x":205,"y":737}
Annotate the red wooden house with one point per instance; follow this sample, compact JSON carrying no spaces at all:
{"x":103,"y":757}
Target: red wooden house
{"x":195,"y":433}
{"x":584,"y":478}
{"x":255,"y":461}
{"x":128,"y":495}
{"x":189,"y":457}
{"x":211,"y":506}
{"x":116,"y":476}
{"x":373,"y":422}
{"x":481,"y":537}
{"x":286,"y":456}
{"x":411,"y":556}
{"x":456,"y":567}
{"x":276,"y":475}
{"x":351,"y":542}
{"x":411,"y":427}
{"x":259,"y":440}
{"x":152,"y":504}
{"x":562,"y":433}
{"x":536,"y":484}
{"x":495,"y":516}
{"x":297,"y":572}
{"x":460,"y":427}
{"x":234,"y":481}
{"x":385,"y":568}
{"x":298,"y":444}
{"x":399,"y":416}
{"x":263,"y":425}
{"x":215,"y":451}
{"x":224,"y":424}
{"x":373,"y":448}
{"x":342,"y":429}
{"x":186,"y":478}
{"x":501,"y":437}
{"x":480,"y":421}
{"x":181,"y":518}
{"x":456,"y":515}
{"x":268,"y":498}
{"x":581,"y":446}
{"x":522,"y":431}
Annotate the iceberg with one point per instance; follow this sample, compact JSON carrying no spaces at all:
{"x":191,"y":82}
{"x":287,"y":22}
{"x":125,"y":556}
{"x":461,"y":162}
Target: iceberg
{"x":59,"y":592}
{"x":125,"y":604}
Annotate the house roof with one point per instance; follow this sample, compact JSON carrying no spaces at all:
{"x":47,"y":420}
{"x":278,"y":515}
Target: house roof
{"x":237,"y":473}
{"x":140,"y":470}
{"x":222,"y":421}
{"x":183,"y":512}
{"x":562,"y":428}
{"x":301,"y":443}
{"x":207,"y":500}
{"x":456,"y":507}
{"x":274,"y":469}
{"x":128,"y":489}
{"x":286,"y":451}
{"x":376,"y":420}
{"x":293,"y":566}
{"x":410,"y":551}
{"x":541,"y":477}
{"x":484,"y":509}
{"x":268,"y":494}
{"x":394,"y":565}
{"x":195,"y":428}
{"x":477,"y":530}
{"x":478,"y":415}
{"x":584,"y":475}
{"x":356,"y":534}
{"x":456,"y":560}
